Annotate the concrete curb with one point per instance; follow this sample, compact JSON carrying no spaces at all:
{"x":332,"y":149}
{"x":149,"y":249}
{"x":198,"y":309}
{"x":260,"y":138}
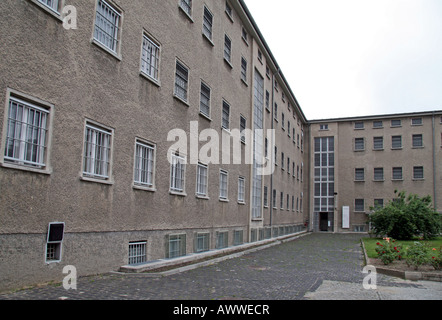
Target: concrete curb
{"x":406,"y":275}
{"x":192,"y":261}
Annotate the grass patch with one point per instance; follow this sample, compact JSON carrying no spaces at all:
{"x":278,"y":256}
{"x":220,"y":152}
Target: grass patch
{"x":370,"y":244}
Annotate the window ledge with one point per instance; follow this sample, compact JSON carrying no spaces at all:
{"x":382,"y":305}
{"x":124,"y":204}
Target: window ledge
{"x":208,"y":39}
{"x":181,"y":100}
{"x":150,"y":79}
{"x":106,"y":49}
{"x":48,"y":10}
{"x":186,"y":14}
{"x":223,"y":200}
{"x":144,"y":188}
{"x":205,"y":116}
{"x":202,"y":197}
{"x":177,"y":193}
{"x":96,"y":180}
{"x":25,"y":168}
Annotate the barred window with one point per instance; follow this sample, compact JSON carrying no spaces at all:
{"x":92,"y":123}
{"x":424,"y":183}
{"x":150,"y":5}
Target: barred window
{"x":242,"y":127}
{"x":177,"y":173}
{"x":186,"y":5}
{"x":397,"y":173}
{"x":52,"y":4}
{"x":207,"y":23}
{"x":144,"y":164}
{"x":150,"y":58}
{"x":227,"y":48}
{"x":359,"y":174}
{"x":378,"y":174}
{"x":201,"y":180}
{"x":222,"y":239}
{"x":241,"y":189}
{"x":175,"y":246}
{"x":418,"y":173}
{"x":205,"y":100}
{"x":396,"y":142}
{"x":181,"y":81}
{"x":359,"y":205}
{"x":378,"y":143}
{"x":226,"y":116}
{"x":359,"y":144}
{"x":202,"y":242}
{"x":223,"y":181}
{"x":244,"y":70}
{"x":107,"y":27}
{"x":97,"y":148}
{"x":417,"y":141}
{"x":26,"y":135}
{"x":137,"y":252}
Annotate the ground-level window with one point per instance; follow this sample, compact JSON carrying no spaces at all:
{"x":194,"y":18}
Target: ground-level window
{"x":137,"y":252}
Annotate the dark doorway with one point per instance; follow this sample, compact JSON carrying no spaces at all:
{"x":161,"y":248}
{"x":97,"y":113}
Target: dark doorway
{"x":323,"y":221}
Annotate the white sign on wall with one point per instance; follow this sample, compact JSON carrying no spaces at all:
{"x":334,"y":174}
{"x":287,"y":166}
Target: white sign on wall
{"x":345,"y":217}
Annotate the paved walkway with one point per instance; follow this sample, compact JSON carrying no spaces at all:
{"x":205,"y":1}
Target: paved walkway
{"x":316,"y":266}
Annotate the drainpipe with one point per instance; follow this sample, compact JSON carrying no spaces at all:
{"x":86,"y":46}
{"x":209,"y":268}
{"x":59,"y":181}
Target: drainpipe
{"x":434,"y":162}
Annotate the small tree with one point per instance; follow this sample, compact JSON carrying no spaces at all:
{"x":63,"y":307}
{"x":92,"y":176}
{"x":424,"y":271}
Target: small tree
{"x":406,"y":217}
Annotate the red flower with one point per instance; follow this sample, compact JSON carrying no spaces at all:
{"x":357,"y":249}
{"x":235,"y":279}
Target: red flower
{"x":378,"y":243}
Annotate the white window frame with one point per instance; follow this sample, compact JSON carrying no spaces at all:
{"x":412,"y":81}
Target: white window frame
{"x":228,"y":49}
{"x":186,"y":6}
{"x":150,"y":59}
{"x":96,"y":164}
{"x":110,"y":27}
{"x":16,"y":133}
{"x":137,"y":252}
{"x":177,"y":174}
{"x":241,"y":190}
{"x":223,"y":185}
{"x":207,"y":23}
{"x":202,"y":181}
{"x":244,"y":70}
{"x":205,"y":99}
{"x":144,"y":165}
{"x":225,"y":120}
{"x":53,"y":5}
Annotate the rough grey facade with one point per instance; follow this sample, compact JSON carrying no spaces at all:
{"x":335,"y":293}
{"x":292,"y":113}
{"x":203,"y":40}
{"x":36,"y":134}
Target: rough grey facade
{"x":85,"y":119}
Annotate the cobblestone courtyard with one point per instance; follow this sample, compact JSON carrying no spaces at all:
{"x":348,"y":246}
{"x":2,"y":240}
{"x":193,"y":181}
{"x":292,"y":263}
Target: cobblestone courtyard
{"x":283,"y":272}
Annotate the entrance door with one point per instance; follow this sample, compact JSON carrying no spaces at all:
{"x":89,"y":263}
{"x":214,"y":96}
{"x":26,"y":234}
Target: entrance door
{"x":323,"y":221}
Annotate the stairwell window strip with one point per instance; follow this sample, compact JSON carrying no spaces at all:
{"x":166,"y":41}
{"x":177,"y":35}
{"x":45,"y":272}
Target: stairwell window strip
{"x":107,"y":28}
{"x":97,"y":148}
{"x":150,"y":58}
{"x":26,"y":134}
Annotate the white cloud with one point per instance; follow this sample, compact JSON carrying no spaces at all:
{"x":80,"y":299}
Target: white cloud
{"x":348,"y":57}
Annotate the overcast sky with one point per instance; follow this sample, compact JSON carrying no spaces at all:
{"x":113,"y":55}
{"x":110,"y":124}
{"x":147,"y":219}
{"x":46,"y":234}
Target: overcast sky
{"x":356,"y":57}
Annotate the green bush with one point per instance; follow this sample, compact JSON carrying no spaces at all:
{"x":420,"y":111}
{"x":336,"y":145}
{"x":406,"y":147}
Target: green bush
{"x":417,"y":255}
{"x":406,"y":217}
